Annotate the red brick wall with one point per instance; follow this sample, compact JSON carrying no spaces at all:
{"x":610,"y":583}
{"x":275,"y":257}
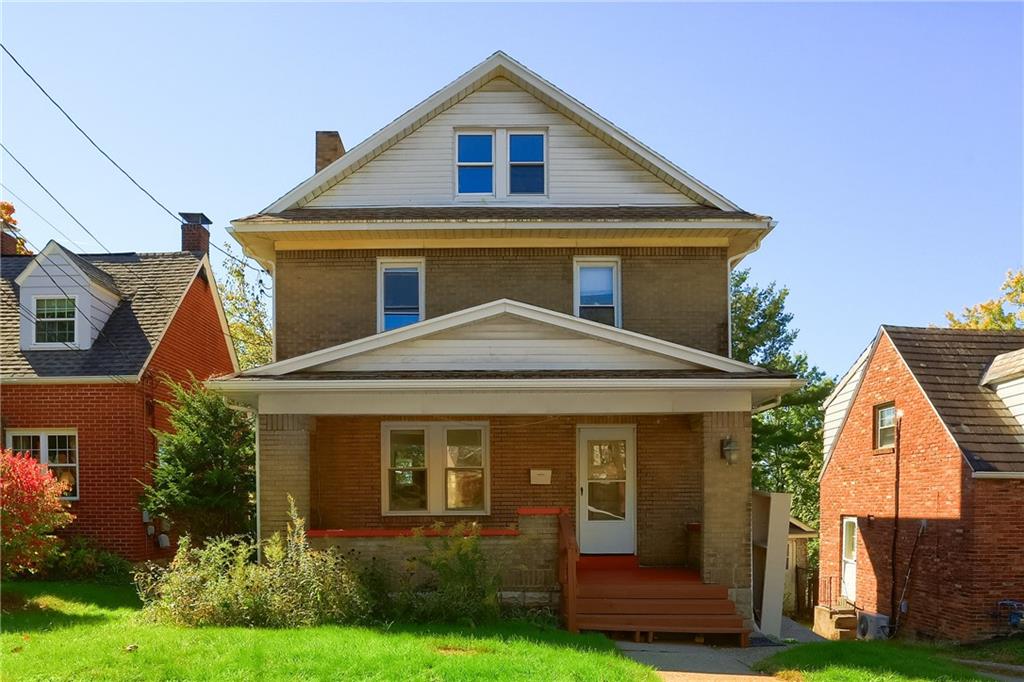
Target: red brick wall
{"x":345,"y":474}
{"x":997,"y":548}
{"x":115,"y":445}
{"x":934,"y":489}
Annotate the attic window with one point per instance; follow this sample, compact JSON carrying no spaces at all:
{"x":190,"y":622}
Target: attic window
{"x":55,"y":320}
{"x":885,"y":426}
{"x":526,"y":163}
{"x":476,"y":163}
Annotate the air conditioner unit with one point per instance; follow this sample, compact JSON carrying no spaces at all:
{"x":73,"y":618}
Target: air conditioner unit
{"x":872,"y":625}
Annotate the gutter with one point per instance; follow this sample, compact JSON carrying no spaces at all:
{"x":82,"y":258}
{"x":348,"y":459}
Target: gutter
{"x":325,"y":385}
{"x":105,"y":379}
{"x":999,"y":474}
{"x":729,"y":265}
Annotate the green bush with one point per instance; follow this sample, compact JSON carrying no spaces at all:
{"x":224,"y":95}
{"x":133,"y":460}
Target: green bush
{"x":220,"y":583}
{"x":81,"y":559}
{"x":458,"y":584}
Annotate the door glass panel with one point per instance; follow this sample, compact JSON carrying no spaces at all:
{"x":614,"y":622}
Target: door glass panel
{"x":606,"y":480}
{"x":606,"y":460}
{"x":606,"y":501}
{"x":849,"y":540}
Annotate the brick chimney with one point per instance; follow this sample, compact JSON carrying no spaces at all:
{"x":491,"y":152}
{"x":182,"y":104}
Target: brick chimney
{"x":329,"y":148}
{"x":8,"y":243}
{"x":195,"y":236}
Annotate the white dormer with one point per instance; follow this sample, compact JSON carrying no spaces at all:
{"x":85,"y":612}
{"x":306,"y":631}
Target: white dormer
{"x":64,"y":300}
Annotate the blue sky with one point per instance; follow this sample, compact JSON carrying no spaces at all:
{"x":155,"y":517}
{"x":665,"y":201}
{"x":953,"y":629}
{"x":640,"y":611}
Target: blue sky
{"x":884,"y":138}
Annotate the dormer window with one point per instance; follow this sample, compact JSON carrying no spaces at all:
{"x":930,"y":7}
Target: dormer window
{"x":55,"y":320}
{"x":526,"y":163}
{"x":476,"y":163}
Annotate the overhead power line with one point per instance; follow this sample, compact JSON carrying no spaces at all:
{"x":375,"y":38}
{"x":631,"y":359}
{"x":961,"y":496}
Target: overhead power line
{"x":25,"y":204}
{"x":118,"y":166}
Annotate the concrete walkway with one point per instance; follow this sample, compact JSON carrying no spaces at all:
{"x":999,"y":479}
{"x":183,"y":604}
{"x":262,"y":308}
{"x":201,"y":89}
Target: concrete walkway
{"x":679,"y":662}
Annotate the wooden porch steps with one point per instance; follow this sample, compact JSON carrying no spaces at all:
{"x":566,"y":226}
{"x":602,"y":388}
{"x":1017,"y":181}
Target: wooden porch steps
{"x":615,"y":594}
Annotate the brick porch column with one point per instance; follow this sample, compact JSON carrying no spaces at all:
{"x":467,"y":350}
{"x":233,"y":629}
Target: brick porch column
{"x":284,"y":469}
{"x":725,"y":551}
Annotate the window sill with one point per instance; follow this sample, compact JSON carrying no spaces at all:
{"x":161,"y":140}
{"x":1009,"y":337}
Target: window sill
{"x":52,"y":346}
{"x":883,"y":451}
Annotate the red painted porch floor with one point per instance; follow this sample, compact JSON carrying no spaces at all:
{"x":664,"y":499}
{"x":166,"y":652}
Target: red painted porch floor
{"x":616,"y":594}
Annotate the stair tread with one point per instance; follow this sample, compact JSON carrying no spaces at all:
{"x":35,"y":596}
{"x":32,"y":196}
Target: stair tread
{"x":654,"y":606}
{"x":728,"y":620}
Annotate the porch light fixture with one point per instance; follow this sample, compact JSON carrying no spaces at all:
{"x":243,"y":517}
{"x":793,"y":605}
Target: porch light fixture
{"x":730,"y":450}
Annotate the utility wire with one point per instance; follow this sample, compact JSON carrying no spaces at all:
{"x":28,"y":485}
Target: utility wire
{"x":78,"y":222}
{"x":135,"y":182}
{"x":23,"y":203}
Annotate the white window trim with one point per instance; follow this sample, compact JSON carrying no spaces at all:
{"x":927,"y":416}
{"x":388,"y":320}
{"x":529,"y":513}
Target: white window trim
{"x":589,"y":261}
{"x":44,"y":457}
{"x":404,"y":262}
{"x":876,"y":413}
{"x":500,"y":156}
{"x":434,"y":441}
{"x":39,"y":345}
{"x":478,"y":164}
{"x":508,"y":162}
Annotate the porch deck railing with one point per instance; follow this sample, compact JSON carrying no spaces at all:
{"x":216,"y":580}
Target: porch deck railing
{"x":568,"y":554}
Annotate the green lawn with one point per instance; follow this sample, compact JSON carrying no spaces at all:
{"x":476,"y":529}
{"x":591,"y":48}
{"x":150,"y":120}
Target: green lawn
{"x":1006,"y":650}
{"x":854,"y":661}
{"x":77,"y":631}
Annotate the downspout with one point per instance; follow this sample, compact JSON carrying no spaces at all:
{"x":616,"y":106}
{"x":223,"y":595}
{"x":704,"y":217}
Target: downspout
{"x":730,"y":263}
{"x":895,"y":515}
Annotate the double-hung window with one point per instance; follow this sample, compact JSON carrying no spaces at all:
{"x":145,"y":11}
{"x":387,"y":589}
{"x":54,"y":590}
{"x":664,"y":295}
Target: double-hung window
{"x":885,"y":426}
{"x":526,"y":163}
{"x":475,"y":154}
{"x":434,"y":468}
{"x":55,"y":320}
{"x":597,"y":290}
{"x":56,"y":449}
{"x":400,"y":292}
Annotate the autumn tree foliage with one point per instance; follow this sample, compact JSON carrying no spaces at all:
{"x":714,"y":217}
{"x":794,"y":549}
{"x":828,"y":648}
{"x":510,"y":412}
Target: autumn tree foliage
{"x":30,"y":510}
{"x":1006,"y":311}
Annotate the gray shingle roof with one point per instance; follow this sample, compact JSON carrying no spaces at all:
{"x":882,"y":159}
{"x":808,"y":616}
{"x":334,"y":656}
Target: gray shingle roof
{"x":151,"y":284}
{"x":511,"y":213}
{"x":949,"y":364}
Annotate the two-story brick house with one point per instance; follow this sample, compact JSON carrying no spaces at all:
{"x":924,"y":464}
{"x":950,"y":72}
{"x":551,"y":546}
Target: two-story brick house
{"x":502,"y":308}
{"x":86,"y":341}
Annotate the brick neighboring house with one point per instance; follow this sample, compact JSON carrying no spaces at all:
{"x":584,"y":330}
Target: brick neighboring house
{"x":501,"y":308}
{"x":924,"y":442}
{"x":84,"y":342}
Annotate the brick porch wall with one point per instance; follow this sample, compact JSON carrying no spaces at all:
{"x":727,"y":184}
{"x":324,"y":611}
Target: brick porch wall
{"x":337,"y":486}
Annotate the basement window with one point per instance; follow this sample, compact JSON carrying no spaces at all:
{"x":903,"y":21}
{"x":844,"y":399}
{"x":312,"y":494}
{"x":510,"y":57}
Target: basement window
{"x":434,"y":468}
{"x":56,"y":449}
{"x":885,"y":426}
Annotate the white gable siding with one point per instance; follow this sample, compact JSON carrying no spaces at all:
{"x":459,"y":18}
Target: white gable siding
{"x":419,"y":169}
{"x":504,"y":343}
{"x":835,"y":412}
{"x":56,"y":277}
{"x":1012,"y":395}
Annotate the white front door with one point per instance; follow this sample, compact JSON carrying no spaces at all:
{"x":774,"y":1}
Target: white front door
{"x":606,"y":513}
{"x":849,"y":580}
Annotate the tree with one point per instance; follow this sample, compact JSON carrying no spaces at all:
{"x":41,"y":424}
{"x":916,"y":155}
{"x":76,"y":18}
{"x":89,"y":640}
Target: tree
{"x":30,"y":510}
{"x":1003,"y":312}
{"x":9,"y":224}
{"x":204,"y":478}
{"x":246,"y":309}
{"x":788,"y":444}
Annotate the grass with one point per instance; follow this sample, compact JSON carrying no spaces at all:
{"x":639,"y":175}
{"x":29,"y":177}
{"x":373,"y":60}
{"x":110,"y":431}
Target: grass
{"x":1005,"y":650}
{"x":66,"y":631}
{"x":853,"y":661}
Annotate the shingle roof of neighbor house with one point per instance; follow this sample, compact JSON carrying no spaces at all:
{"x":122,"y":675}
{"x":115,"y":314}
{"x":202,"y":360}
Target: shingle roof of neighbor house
{"x":511,"y":213}
{"x":1005,"y":367}
{"x":151,"y":286}
{"x":949,"y":365}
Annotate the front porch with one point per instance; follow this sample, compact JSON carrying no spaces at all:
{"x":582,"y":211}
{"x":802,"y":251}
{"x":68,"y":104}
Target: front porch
{"x":685,"y":509}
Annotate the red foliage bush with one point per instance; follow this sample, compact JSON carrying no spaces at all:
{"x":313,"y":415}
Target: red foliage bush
{"x":30,"y":510}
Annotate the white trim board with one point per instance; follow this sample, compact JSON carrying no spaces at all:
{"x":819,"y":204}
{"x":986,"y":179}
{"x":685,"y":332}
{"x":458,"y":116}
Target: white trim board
{"x":485,"y":311}
{"x":500,"y":65}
